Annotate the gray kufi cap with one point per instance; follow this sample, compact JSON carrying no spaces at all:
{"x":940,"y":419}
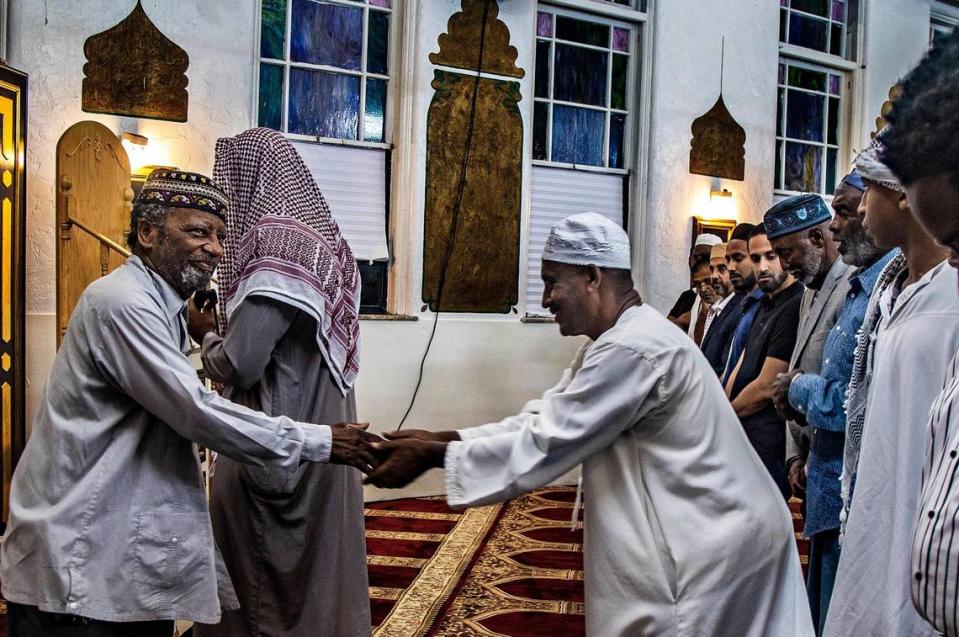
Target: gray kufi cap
{"x":588,"y":239}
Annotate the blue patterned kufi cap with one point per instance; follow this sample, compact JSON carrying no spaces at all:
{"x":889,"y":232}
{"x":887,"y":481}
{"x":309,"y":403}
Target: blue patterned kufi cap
{"x":181,"y":189}
{"x":794,"y":214}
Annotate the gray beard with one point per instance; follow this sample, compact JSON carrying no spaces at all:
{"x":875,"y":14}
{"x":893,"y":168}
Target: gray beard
{"x":811,"y":264}
{"x":860,"y":250}
{"x":193,"y":278}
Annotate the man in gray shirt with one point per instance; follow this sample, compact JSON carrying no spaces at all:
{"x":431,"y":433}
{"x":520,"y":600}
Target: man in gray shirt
{"x":109,"y":531}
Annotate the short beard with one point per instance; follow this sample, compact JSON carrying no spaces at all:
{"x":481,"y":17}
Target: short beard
{"x":747,"y":284}
{"x":193,"y":278}
{"x":771,"y":286}
{"x":812,"y":261}
{"x":860,"y":249}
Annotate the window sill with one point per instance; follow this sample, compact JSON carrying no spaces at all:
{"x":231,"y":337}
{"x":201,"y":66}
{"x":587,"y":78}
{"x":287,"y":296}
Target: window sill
{"x":537,"y":319}
{"x":388,"y":317}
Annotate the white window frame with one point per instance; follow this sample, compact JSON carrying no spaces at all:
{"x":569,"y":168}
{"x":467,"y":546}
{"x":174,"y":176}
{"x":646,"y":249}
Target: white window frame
{"x":287,"y":64}
{"x":597,"y":13}
{"x":941,"y":18}
{"x":850,"y":96}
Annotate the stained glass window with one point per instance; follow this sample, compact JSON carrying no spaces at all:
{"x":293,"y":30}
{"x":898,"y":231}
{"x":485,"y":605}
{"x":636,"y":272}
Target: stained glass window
{"x":808,"y":127}
{"x":815,"y":24}
{"x":581,"y":91}
{"x":324,"y":68}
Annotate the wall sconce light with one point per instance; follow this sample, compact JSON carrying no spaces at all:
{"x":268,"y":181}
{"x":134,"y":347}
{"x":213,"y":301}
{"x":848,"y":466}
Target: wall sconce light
{"x":722,"y":205}
{"x":135,"y":145}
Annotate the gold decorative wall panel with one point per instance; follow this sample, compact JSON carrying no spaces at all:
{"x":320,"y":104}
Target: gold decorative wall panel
{"x":13,"y":121}
{"x":133,"y":69}
{"x":93,"y":189}
{"x":718,"y":146}
{"x":483,"y":269}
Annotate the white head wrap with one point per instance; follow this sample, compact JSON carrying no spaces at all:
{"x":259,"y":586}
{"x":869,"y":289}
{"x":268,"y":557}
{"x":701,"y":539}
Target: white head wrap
{"x":588,"y":239}
{"x":871,"y":167}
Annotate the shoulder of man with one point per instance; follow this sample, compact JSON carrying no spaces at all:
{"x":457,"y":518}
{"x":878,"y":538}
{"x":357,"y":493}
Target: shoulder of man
{"x":125,"y":291}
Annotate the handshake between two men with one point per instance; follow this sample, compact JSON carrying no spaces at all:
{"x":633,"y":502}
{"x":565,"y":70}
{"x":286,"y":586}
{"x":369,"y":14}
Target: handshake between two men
{"x":391,"y":461}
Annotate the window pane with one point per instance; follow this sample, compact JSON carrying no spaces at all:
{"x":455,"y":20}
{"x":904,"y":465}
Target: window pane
{"x":838,"y":10}
{"x":323,"y":103}
{"x":834,"y":84}
{"x":783,"y":21}
{"x":779,"y":165}
{"x":327,"y":34}
{"x":835,"y":40}
{"x":780,"y":106}
{"x":382,"y":3}
{"x":832,"y":130}
{"x":808,"y":32}
{"x":804,"y":116}
{"x":273,"y":29}
{"x":378,"y":43}
{"x":271,"y":96}
{"x":618,"y":99}
{"x":831,"y":171}
{"x":580,"y":75}
{"x":578,"y":135}
{"x":807,"y":78}
{"x":803,"y":167}
{"x":544,"y":24}
{"x":540,"y":123}
{"x":816,"y":7}
{"x":542,"y":68}
{"x":621,"y":39}
{"x":582,"y":31}
{"x":617,"y":130}
{"x":375,"y":113}
{"x":373,"y":278}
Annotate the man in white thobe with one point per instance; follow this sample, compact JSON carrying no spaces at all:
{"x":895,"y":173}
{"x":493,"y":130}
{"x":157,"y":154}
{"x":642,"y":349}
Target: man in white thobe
{"x":685,"y":532}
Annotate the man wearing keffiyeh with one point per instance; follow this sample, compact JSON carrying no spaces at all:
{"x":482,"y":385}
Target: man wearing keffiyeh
{"x":909,"y":333}
{"x":293,"y":541}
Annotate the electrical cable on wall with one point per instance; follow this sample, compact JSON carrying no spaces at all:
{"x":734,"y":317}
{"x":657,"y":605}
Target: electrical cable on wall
{"x":455,"y":213}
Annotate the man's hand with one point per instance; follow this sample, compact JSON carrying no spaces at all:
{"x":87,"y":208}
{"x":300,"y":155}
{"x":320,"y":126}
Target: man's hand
{"x":781,"y":395}
{"x":422,"y":434}
{"x":353,"y":446}
{"x":405,"y":460}
{"x":797,"y":476}
{"x":201,"y":321}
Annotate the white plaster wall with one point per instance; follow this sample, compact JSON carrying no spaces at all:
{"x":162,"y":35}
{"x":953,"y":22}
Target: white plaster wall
{"x":896,"y":35}
{"x":482,"y":367}
{"x":687,"y":36}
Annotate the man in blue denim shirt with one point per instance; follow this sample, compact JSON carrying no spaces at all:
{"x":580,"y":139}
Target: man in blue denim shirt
{"x":819,"y":398}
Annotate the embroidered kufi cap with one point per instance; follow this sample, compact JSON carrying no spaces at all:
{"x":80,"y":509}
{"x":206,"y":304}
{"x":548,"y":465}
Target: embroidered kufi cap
{"x":718,"y":251}
{"x":794,"y":214}
{"x":181,"y":189}
{"x":588,"y":239}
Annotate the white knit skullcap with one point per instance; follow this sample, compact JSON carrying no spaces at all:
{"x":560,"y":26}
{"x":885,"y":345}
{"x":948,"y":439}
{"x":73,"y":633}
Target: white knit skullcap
{"x":588,"y":239}
{"x":707,"y":239}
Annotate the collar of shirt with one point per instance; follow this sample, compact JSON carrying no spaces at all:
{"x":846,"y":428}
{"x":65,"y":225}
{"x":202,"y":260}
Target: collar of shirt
{"x":770,"y":301}
{"x":865,"y":280}
{"x":719,"y":306}
{"x":752,"y":298}
{"x":171,"y":300}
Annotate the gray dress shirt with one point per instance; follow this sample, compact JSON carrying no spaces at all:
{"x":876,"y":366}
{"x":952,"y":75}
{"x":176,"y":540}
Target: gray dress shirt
{"x":108,"y":516}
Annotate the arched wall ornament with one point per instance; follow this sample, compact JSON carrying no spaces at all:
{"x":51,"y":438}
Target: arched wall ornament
{"x":894,"y":93}
{"x":718,"y":145}
{"x":134,"y":70}
{"x":483,"y":269}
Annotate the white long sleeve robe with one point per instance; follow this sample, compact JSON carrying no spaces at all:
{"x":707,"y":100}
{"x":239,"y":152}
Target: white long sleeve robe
{"x":685,"y":532}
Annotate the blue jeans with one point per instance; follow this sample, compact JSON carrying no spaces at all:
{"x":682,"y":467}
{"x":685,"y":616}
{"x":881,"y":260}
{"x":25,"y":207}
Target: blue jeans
{"x":823,"y":561}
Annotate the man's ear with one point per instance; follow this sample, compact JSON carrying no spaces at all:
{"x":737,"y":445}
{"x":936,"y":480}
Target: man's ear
{"x":594,"y":276}
{"x":816,"y":237}
{"x":903,"y":202}
{"x":147,"y":234}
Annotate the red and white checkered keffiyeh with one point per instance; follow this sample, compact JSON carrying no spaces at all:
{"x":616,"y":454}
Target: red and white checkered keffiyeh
{"x":282,"y":242}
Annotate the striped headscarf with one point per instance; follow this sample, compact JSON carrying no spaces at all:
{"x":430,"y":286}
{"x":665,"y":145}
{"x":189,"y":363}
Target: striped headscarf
{"x":871,"y":167}
{"x":282,"y":242}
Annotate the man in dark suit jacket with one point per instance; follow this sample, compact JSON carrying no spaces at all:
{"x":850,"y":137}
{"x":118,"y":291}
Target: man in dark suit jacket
{"x":719,"y":335}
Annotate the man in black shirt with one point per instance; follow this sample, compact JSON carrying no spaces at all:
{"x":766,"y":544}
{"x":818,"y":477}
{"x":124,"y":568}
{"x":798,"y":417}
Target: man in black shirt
{"x":769,"y":346}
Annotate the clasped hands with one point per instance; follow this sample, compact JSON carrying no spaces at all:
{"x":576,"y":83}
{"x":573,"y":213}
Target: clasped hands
{"x":392,"y":461}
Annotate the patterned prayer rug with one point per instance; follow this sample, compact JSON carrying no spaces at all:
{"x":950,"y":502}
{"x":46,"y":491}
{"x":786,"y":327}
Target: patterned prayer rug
{"x":508,"y":570}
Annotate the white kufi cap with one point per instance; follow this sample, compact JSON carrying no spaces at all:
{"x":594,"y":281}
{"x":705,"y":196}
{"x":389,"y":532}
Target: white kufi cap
{"x":588,"y":239}
{"x":707,"y":239}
